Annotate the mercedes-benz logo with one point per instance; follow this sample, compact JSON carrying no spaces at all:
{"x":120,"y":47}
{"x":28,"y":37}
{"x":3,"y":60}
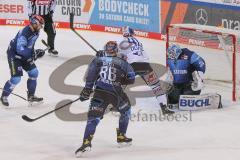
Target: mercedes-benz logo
{"x":201,"y":16}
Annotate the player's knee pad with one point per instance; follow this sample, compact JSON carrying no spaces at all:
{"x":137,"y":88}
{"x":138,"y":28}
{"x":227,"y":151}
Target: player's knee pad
{"x":97,"y":108}
{"x":33,"y":74}
{"x":15,"y":80}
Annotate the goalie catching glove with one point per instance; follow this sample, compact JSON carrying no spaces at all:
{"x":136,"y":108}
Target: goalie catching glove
{"x":197,"y":83}
{"x":85,"y":94}
{"x":38,"y":53}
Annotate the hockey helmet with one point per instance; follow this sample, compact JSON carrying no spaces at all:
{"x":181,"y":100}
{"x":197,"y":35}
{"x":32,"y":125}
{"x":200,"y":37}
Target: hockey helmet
{"x":174,"y":51}
{"x":36,"y":19}
{"x":111,"y":48}
{"x":127,"y":31}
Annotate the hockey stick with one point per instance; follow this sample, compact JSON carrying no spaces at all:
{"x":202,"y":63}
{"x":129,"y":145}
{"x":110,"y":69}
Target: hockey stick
{"x":26,"y":118}
{"x":45,"y":43}
{"x":15,"y":94}
{"x":71,"y":26}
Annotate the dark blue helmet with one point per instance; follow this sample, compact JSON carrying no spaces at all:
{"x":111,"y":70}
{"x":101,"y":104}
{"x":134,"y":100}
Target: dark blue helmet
{"x":111,"y":48}
{"x":174,"y":51}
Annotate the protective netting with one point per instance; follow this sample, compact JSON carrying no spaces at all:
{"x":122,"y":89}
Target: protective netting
{"x":219,"y":48}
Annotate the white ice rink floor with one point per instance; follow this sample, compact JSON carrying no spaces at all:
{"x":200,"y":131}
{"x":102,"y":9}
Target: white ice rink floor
{"x":203,"y":135}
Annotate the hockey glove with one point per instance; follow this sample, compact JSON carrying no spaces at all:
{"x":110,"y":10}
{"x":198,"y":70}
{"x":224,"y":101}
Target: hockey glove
{"x":38,"y":53}
{"x":85,"y":94}
{"x":100,"y":53}
{"x":197,"y":83}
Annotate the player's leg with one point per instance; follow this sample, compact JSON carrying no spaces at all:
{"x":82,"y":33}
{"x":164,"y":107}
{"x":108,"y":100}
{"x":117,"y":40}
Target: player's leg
{"x":98,"y":105}
{"x":124,"y":108}
{"x":150,"y":78}
{"x":174,"y":95}
{"x":32,"y":71}
{"x":187,"y":90}
{"x":16,"y":73}
{"x":49,"y":28}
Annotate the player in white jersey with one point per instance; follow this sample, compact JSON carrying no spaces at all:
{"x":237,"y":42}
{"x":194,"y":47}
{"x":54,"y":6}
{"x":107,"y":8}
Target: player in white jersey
{"x":131,"y":49}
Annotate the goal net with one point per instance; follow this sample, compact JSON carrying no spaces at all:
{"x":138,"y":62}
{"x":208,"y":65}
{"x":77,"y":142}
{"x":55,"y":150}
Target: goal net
{"x":220,"y":49}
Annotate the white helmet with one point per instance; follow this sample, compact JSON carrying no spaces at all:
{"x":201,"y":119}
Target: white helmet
{"x":127,"y":31}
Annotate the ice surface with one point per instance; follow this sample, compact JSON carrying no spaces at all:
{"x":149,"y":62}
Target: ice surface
{"x":209,"y":134}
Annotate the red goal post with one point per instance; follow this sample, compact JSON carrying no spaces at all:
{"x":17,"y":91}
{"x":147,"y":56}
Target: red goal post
{"x":219,"y":42}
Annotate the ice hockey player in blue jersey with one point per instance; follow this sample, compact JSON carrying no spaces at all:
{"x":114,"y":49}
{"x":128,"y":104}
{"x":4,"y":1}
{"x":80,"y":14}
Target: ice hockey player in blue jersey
{"x":21,"y":56}
{"x":187,"y":69}
{"x":106,"y":75}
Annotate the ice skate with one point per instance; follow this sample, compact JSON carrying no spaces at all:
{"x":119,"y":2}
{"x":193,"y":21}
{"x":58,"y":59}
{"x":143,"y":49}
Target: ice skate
{"x":166,"y":110}
{"x":122,"y":140}
{"x":4,"y":101}
{"x":53,"y":52}
{"x":34,"y":100}
{"x":86,"y":147}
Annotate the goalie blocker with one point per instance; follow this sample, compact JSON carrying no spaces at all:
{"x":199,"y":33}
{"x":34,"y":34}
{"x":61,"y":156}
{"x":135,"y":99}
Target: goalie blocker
{"x":199,"y":102}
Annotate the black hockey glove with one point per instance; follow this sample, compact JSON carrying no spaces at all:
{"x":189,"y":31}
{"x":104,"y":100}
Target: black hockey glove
{"x":38,"y":53}
{"x":100,"y":53}
{"x":85,"y":94}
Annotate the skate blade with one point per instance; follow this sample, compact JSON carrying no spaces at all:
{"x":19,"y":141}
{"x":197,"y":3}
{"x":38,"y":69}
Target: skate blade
{"x":53,"y":55}
{"x":124,"y":144}
{"x":81,"y":154}
{"x":34,"y":104}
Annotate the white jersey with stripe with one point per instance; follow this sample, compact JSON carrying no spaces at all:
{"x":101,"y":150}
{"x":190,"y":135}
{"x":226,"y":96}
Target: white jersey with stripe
{"x":41,"y":7}
{"x":134,"y":52}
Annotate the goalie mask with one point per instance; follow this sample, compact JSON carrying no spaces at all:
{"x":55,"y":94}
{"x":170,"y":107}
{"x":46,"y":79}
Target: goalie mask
{"x":111,"y":48}
{"x":174,"y":51}
{"x":127,"y":31}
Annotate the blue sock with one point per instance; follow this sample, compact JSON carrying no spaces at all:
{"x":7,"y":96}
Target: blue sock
{"x":32,"y":81}
{"x":91,"y":127}
{"x":124,"y":120}
{"x":31,"y":86}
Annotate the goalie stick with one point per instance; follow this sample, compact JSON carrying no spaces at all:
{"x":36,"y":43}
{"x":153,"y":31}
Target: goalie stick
{"x":28,"y":119}
{"x":72,"y":28}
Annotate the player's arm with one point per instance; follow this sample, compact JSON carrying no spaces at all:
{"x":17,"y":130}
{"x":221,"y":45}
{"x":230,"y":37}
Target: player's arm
{"x":92,"y":76}
{"x":199,"y":66}
{"x":130,"y":76}
{"x":22,"y":49}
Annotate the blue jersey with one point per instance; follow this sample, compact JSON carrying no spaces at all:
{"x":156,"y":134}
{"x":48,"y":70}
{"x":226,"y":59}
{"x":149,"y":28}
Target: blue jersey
{"x":109,"y":73}
{"x":182,"y":68}
{"x":23,"y":43}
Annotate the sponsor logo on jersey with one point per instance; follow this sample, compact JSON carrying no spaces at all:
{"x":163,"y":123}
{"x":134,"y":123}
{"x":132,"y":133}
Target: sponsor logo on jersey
{"x":177,"y":71}
{"x":43,"y":2}
{"x":194,"y":102}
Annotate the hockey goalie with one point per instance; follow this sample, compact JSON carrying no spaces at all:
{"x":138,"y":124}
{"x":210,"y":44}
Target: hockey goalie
{"x":186,"y":69}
